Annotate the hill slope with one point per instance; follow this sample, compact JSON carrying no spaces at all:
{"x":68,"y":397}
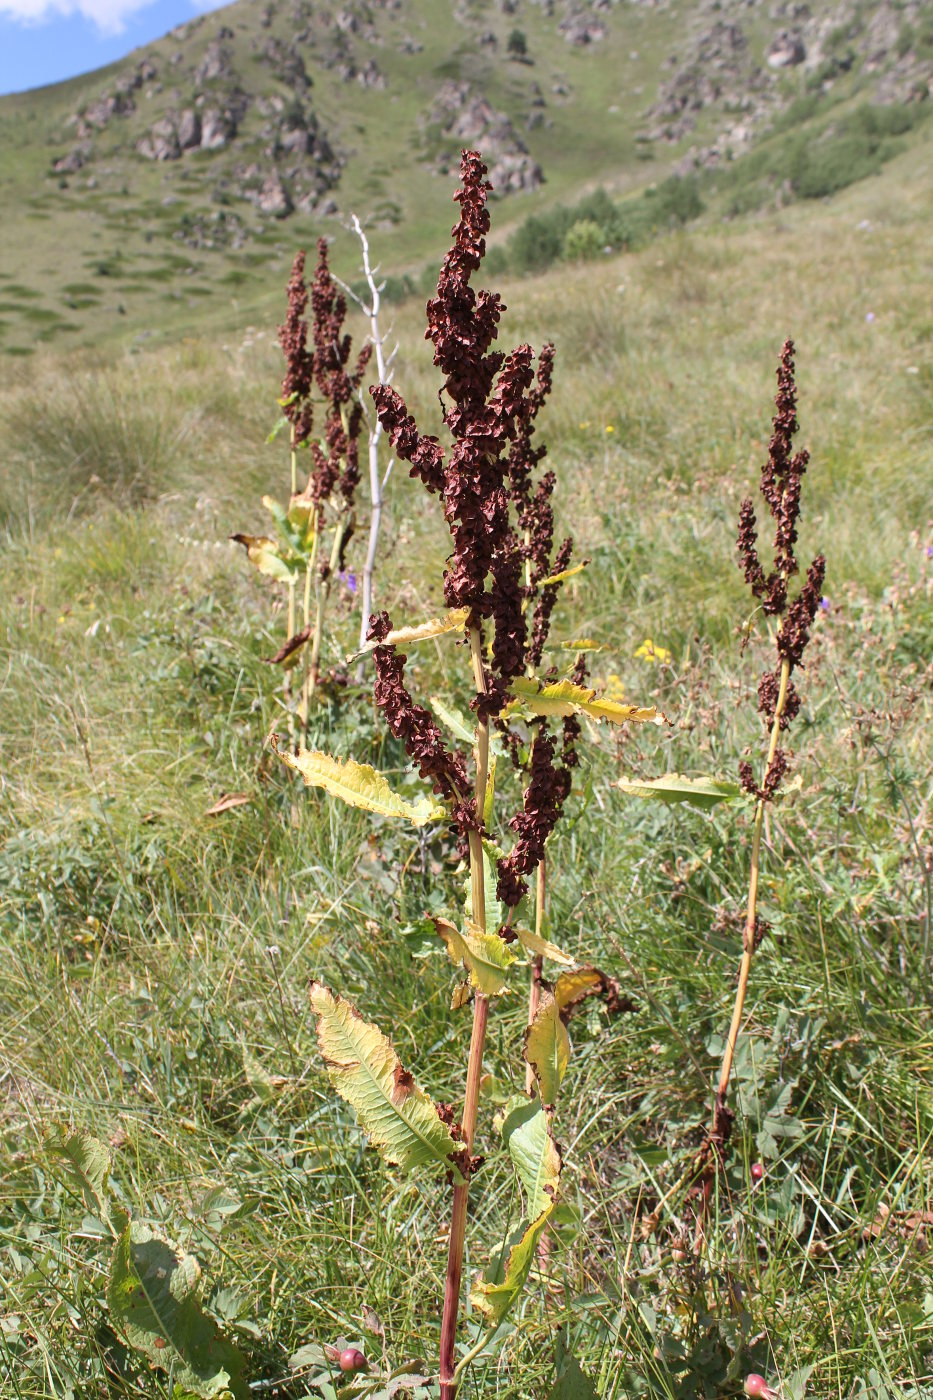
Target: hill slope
{"x":171,"y":188}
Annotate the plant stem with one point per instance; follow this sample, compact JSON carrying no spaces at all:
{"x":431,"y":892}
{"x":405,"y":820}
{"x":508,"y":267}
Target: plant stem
{"x":751,"y":914}
{"x":290,"y":625}
{"x":312,"y":671}
{"x":534,"y":990}
{"x":475,"y":1063}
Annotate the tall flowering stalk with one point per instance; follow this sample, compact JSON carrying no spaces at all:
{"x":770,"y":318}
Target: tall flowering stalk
{"x":778,"y":699}
{"x":499,"y":588}
{"x":325,"y":503}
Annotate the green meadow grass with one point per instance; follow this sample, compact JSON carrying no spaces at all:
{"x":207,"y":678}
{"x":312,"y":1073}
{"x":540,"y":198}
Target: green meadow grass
{"x":156,"y":961}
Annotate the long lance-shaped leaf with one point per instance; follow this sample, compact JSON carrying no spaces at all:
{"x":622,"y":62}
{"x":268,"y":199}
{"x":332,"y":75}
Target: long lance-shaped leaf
{"x":564,"y":698}
{"x":452,"y":621}
{"x":547,"y":1047}
{"x":674,"y":787}
{"x":152,"y":1294}
{"x":453,"y":720}
{"x":399,"y":1118}
{"x":485,"y":955}
{"x":359,"y":785}
{"x":564,"y":574}
{"x":534,"y":1155}
{"x":494,"y":1295}
{"x":541,"y":947}
{"x":266,"y":555}
{"x":573,"y":987}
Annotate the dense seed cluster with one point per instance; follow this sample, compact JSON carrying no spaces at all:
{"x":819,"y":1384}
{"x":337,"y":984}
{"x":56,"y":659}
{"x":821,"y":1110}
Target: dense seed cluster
{"x":500,"y":520}
{"x":335,"y":460}
{"x":299,"y":361}
{"x":781,"y":478}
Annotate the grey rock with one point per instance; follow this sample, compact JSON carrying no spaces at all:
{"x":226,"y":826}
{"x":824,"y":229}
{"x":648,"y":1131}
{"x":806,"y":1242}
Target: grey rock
{"x":217,"y":129}
{"x":189,"y":129}
{"x":274,"y":198}
{"x":71,"y":163}
{"x":215,"y":64}
{"x":786,"y":50}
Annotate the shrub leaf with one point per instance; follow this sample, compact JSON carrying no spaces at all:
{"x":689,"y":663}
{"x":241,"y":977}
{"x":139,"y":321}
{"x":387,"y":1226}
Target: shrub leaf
{"x":494,"y":1295}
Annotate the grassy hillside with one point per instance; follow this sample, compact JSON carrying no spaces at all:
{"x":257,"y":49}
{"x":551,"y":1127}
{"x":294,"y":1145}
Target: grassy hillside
{"x":156,"y":960}
{"x":276,"y":120}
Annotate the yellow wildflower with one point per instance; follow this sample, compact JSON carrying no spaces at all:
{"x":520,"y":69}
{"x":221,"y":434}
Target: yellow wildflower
{"x":651,"y":652}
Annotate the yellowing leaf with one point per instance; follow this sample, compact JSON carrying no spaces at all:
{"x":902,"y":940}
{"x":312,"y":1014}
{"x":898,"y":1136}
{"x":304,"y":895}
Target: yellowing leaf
{"x":422,"y":631}
{"x":264,"y":553}
{"x":585,"y":644}
{"x":490,"y":795}
{"x":541,"y":947}
{"x":486,"y":956}
{"x":398,"y":1117}
{"x":572,"y":987}
{"x":359,"y":785}
{"x":494,"y":1295}
{"x":564,"y":574}
{"x":674,"y":787}
{"x":534,"y":1155}
{"x":564,"y":698}
{"x":547,"y":1047}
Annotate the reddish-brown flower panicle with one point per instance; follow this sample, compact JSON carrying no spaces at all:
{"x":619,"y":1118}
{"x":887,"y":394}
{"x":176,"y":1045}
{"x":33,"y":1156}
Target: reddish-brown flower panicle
{"x":299,"y":362}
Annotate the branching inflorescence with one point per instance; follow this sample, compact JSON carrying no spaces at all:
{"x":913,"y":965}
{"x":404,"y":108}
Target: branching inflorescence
{"x":778,"y":698}
{"x":316,"y":358}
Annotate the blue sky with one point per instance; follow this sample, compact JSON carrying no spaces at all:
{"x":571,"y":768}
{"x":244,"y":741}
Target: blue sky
{"x":44,"y":41}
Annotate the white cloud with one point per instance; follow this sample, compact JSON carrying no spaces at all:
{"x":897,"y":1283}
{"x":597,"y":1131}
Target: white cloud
{"x":108,"y":16}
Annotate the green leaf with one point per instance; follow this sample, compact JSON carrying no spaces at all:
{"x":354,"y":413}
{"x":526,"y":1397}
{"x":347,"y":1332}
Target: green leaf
{"x":486,"y":956}
{"x":541,"y":947}
{"x":453,"y":720}
{"x":398,"y":1117}
{"x":572,"y":1382}
{"x":547,"y":1048}
{"x":674,"y":787}
{"x":494,"y":1295}
{"x":152,"y":1294}
{"x":534,"y":1154}
{"x":491,"y":854}
{"x":359,"y":785}
{"x":266,"y":555}
{"x":302,"y":522}
{"x":84,"y":1163}
{"x":563,"y":698}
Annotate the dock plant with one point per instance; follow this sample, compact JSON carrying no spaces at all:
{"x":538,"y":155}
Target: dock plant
{"x":500,"y":585}
{"x":778,"y":698}
{"x":313,"y":531}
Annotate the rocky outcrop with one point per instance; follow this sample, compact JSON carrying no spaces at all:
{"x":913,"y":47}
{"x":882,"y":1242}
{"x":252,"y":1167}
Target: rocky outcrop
{"x":718,"y":68}
{"x":467,"y":119}
{"x":287,"y":64}
{"x":786,"y":50}
{"x":273,"y":198}
{"x":77,"y":157}
{"x":581,"y":30}
{"x":215,"y":65}
{"x":370,"y":75}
